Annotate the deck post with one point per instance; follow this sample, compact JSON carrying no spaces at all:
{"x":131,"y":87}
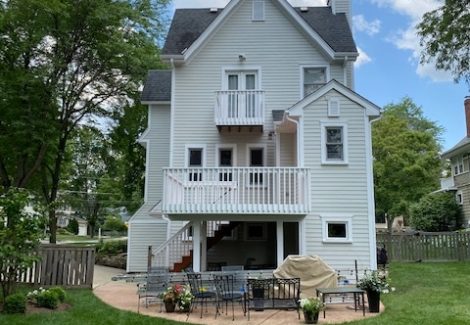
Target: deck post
{"x":197,"y":246}
{"x":204,"y":246}
{"x":280,"y":241}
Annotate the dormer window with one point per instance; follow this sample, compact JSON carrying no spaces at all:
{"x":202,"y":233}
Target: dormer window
{"x":258,"y":10}
{"x":313,"y":78}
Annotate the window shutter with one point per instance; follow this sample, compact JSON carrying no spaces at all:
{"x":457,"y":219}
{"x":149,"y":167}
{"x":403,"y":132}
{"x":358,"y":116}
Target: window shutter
{"x":333,"y":108}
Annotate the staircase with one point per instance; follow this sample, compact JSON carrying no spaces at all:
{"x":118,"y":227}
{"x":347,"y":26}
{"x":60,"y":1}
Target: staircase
{"x":177,"y":252}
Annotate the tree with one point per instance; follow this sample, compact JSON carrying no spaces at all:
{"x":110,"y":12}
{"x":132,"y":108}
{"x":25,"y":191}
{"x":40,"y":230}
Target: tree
{"x":80,"y":59}
{"x":20,"y":234}
{"x":445,"y":37}
{"x":436,"y":212}
{"x":406,"y":158}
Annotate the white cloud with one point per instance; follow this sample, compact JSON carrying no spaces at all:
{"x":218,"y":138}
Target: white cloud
{"x":408,"y":39}
{"x":362,"y":59}
{"x":223,"y":3}
{"x":362,"y":25}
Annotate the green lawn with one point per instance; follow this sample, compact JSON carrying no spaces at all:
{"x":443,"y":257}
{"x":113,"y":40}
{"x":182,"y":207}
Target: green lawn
{"x":426,"y":293}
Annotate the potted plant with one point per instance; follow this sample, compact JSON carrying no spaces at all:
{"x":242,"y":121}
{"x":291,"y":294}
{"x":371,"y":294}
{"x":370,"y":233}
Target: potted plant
{"x":169,"y":298}
{"x":374,"y":284}
{"x":311,"y":308}
{"x":185,"y":297}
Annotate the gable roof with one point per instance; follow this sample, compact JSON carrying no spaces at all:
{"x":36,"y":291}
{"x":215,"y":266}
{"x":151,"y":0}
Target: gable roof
{"x":191,"y":27}
{"x":157,"y":87}
{"x":371,"y":108}
{"x":463,"y":144}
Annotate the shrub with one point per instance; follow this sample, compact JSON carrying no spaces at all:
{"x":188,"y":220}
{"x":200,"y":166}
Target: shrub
{"x":48,"y":299}
{"x":113,"y":247}
{"x":113,"y":223}
{"x":436,"y":212}
{"x":15,"y":304}
{"x":59,"y":292}
{"x":73,"y":226}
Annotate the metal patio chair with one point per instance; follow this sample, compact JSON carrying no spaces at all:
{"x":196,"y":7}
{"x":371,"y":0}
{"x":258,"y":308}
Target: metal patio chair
{"x":200,"y":291}
{"x":228,"y":290}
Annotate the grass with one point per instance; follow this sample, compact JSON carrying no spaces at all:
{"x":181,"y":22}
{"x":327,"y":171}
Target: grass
{"x":426,"y":293}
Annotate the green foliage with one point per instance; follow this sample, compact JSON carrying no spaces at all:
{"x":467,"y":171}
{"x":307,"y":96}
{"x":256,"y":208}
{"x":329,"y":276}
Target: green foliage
{"x":114,"y":223}
{"x":15,"y":304}
{"x":60,"y":293}
{"x":48,"y":299}
{"x":20,"y":235}
{"x":406,"y":158}
{"x":112,"y":247}
{"x":375,"y":281}
{"x":445,"y":38}
{"x":311,"y":305}
{"x":436,"y":212}
{"x":72,"y":227}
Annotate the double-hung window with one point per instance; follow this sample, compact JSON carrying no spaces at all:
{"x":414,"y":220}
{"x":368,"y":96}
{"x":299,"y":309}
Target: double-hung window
{"x":334,"y":143}
{"x":313,"y":78}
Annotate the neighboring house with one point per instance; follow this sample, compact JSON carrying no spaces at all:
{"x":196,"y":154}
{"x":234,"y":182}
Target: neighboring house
{"x":257,"y":145}
{"x":459,"y":157}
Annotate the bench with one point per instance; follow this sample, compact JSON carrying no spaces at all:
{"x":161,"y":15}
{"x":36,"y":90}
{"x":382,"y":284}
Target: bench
{"x":272,"y":293}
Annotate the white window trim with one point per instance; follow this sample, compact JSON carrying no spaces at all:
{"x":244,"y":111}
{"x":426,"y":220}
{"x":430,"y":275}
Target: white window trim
{"x":250,"y":146}
{"x":253,"y":11}
{"x":303,"y":67}
{"x":324,"y":160}
{"x":337,"y":218}
{"x":232,"y":146}
{"x":241,"y":69}
{"x":194,"y":146}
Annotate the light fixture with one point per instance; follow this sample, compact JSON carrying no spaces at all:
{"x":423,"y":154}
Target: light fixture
{"x":241,"y":57}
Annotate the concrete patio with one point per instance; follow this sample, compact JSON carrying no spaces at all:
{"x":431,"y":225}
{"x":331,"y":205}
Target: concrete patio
{"x":122,"y":295}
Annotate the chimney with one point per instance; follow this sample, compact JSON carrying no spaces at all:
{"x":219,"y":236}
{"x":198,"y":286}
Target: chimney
{"x":467,"y":114}
{"x":341,"y":7}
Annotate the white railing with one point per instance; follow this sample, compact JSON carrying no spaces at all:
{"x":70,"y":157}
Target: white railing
{"x":447,"y":183}
{"x":239,"y":107}
{"x":180,"y":244}
{"x":171,"y":251}
{"x":240,"y":190}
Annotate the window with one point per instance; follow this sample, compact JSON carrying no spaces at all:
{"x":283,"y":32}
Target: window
{"x":258,"y":10}
{"x":195,"y":159}
{"x":337,"y":229}
{"x":459,"y":197}
{"x":334,"y":145}
{"x":460,"y":164}
{"x":313,"y":78}
{"x":255,"y":231}
{"x":242,"y":100}
{"x":225,"y":158}
{"x":256,"y":160}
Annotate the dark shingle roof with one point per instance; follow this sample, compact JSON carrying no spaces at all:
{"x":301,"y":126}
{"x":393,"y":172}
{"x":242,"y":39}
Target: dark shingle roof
{"x":157,"y":86}
{"x":186,"y":27}
{"x":188,"y":24}
{"x":278,"y":115}
{"x":334,"y":29}
{"x":462,"y":143}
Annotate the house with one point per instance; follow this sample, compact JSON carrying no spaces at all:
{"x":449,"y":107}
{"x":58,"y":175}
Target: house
{"x":459,"y":157}
{"x":257,"y":144}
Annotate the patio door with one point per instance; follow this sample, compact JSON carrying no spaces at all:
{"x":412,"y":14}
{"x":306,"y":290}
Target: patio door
{"x":241,"y":101}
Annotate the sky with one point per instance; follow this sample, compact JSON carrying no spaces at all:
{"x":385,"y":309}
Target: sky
{"x":388,"y":67}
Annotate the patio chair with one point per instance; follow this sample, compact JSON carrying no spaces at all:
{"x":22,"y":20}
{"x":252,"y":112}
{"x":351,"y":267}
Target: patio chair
{"x":228,"y":290}
{"x":200,"y":291}
{"x":155,"y":285}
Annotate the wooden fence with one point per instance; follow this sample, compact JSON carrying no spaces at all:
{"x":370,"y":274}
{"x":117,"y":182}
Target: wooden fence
{"x":426,"y":246}
{"x":62,"y":265}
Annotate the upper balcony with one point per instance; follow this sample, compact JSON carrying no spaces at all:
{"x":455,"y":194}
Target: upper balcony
{"x":239,"y":108}
{"x":241,"y":190}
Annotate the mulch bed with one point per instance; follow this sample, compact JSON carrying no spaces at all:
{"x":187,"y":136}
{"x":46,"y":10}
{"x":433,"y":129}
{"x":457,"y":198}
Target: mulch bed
{"x":34,"y":309}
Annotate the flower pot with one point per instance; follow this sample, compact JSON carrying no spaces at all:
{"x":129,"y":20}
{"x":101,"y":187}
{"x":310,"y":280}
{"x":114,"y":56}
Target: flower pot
{"x":169,"y":306}
{"x":184,"y":308}
{"x":311,"y":318}
{"x":373,"y":299}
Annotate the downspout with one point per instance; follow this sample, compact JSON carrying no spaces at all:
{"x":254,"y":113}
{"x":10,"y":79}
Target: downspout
{"x":300,"y":163}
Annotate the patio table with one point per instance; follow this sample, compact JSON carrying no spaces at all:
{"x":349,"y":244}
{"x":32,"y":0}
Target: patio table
{"x":342,"y":290}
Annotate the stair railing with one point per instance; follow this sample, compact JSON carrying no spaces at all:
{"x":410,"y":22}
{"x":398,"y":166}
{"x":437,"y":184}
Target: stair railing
{"x":172,"y":250}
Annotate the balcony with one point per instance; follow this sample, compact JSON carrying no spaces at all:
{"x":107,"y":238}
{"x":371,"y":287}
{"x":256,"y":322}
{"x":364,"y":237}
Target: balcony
{"x":239,"y":108}
{"x":447,"y":183}
{"x":244,"y":190}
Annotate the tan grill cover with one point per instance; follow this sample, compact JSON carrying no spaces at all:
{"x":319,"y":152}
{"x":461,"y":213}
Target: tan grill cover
{"x":312,"y":271}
